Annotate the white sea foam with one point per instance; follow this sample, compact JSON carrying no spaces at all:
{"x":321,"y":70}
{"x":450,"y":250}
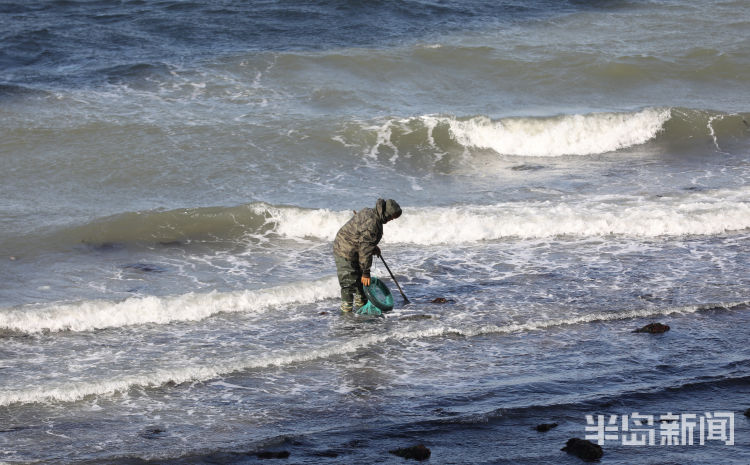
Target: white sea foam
{"x":98,"y":314}
{"x":695,"y":213}
{"x":305,"y":223}
{"x":551,"y":137}
{"x":594,"y":317}
{"x":70,"y":392}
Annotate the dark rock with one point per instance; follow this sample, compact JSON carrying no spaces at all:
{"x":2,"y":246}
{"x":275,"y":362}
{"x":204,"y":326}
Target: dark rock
{"x":153,"y":433}
{"x":419,"y":452}
{"x":653,"y":328}
{"x":544,"y":427}
{"x":144,"y":267}
{"x":747,"y":412}
{"x":583,"y":449}
{"x":104,"y":246}
{"x":439,"y":300}
{"x":323,"y":313}
{"x":267,"y":454}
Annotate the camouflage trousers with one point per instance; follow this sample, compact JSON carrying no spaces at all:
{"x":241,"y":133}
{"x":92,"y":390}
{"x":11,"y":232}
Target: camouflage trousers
{"x":350,"y":275}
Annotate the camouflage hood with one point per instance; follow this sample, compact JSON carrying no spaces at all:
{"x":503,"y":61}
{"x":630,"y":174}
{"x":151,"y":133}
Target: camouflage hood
{"x":387,"y":208}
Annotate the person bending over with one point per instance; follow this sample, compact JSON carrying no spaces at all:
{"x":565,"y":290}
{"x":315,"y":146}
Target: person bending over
{"x":355,"y":244}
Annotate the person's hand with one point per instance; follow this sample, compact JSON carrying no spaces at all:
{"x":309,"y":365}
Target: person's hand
{"x":365,"y":281}
{"x":377,"y":251}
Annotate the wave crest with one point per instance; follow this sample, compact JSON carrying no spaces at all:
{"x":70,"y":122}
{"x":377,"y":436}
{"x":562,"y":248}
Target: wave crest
{"x":555,"y":136}
{"x":92,"y":315}
{"x":682,"y":214}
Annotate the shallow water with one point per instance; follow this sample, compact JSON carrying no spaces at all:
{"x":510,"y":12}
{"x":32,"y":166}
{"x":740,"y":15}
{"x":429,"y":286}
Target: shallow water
{"x":174,"y":174}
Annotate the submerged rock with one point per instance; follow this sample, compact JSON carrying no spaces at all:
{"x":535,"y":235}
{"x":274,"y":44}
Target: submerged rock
{"x":356,"y":444}
{"x":153,"y":433}
{"x":419,"y":452}
{"x":440,"y":300}
{"x":144,"y":267}
{"x":104,"y":246}
{"x":15,"y":428}
{"x":415,"y":317}
{"x":544,"y":427}
{"x":583,"y":449}
{"x":267,"y":454}
{"x":653,"y":328}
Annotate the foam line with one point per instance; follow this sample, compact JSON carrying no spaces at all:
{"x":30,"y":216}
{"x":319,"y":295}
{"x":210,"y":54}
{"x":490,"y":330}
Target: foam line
{"x":701,"y":213}
{"x":77,"y":391}
{"x":686,"y":213}
{"x":99,"y":314}
{"x":594,"y":317}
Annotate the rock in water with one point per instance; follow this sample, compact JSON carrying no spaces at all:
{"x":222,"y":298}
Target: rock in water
{"x":653,"y":328}
{"x":272,"y":455}
{"x":419,"y":452}
{"x":544,"y":427}
{"x":153,"y":433}
{"x":144,"y":267}
{"x":584,"y":449}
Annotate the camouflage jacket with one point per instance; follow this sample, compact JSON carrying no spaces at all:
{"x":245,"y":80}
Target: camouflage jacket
{"x":358,"y":238}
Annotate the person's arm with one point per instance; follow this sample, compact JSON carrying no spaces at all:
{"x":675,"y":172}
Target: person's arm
{"x":368,"y":247}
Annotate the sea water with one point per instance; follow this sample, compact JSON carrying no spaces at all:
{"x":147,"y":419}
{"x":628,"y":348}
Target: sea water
{"x":174,"y":172}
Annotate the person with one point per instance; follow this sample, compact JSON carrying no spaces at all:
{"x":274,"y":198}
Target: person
{"x":355,"y":244}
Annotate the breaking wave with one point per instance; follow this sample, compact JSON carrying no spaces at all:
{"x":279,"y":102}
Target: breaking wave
{"x":680,"y":214}
{"x":91,"y":315}
{"x":550,"y":137}
{"x":575,"y":134}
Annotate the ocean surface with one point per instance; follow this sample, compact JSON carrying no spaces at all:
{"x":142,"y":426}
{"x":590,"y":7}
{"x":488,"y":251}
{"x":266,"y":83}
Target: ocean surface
{"x":173,"y":173}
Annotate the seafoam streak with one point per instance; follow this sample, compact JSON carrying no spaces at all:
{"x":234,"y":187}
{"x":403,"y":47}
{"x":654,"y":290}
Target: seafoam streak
{"x":99,"y":314}
{"x":70,"y":392}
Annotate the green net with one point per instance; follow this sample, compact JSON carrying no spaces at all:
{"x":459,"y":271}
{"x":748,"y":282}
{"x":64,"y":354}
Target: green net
{"x":369,"y":309}
{"x":379,"y":295}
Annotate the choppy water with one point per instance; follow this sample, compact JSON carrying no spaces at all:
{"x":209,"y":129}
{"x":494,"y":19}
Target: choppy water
{"x":173,"y":175}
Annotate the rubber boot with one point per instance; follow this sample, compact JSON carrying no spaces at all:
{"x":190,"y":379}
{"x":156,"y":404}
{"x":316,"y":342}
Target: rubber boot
{"x":359,"y":301}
